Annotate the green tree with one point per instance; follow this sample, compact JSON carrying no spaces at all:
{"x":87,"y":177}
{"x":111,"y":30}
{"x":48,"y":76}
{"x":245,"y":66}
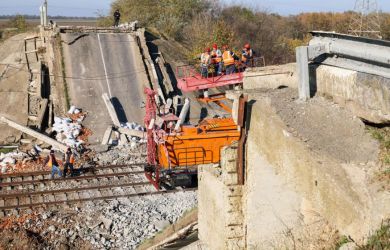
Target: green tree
{"x":18,"y":22}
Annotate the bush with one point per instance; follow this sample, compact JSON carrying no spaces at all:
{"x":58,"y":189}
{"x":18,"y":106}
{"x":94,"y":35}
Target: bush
{"x":18,"y":22}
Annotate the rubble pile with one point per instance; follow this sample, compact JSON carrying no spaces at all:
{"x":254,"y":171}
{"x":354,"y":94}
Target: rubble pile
{"x":134,"y":126}
{"x":15,"y":161}
{"x":118,"y":224}
{"x":125,"y":154}
{"x":70,"y":130}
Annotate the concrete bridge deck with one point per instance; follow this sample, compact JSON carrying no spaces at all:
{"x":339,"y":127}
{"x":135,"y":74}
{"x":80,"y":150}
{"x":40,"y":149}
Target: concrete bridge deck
{"x":105,"y":63}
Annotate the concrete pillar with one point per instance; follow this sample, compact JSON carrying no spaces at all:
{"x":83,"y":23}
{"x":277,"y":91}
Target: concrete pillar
{"x":45,"y":13}
{"x":235,"y":97}
{"x":41,"y":14}
{"x":35,"y":134}
{"x":111,"y":110}
{"x":303,"y":72}
{"x":183,"y":114}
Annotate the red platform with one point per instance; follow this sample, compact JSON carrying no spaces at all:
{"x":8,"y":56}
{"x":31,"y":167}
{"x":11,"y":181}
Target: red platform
{"x":190,"y":80}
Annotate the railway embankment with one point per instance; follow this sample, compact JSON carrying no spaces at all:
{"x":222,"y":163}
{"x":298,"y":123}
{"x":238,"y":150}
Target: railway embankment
{"x":311,"y":176}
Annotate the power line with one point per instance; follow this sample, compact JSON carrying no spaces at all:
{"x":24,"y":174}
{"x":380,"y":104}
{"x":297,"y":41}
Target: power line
{"x":365,"y":21}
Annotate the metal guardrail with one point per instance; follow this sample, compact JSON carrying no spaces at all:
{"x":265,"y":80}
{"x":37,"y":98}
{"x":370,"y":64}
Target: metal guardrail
{"x":360,"y":54}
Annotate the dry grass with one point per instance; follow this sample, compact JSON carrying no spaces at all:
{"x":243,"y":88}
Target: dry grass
{"x":383,"y":137}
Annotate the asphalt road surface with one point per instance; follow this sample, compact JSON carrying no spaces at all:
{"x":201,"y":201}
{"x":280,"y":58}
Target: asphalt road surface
{"x":105,"y":63}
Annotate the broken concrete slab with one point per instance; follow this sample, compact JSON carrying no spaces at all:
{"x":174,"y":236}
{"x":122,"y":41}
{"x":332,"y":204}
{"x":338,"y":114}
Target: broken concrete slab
{"x":132,"y":132}
{"x":35,"y":134}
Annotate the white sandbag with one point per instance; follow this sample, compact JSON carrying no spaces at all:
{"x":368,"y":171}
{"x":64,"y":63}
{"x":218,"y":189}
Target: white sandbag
{"x":57,"y":120}
{"x":67,"y":120}
{"x":72,"y":109}
{"x":9,"y":160}
{"x":75,"y":133}
{"x":76,"y":111}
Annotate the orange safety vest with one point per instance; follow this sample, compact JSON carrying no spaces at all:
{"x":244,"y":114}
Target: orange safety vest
{"x":71,"y":159}
{"x":227,"y":58}
{"x":50,"y":162}
{"x":215,"y":57}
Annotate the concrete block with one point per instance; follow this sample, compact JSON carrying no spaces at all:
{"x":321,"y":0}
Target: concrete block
{"x":230,"y":166}
{"x":234,"y":204}
{"x":271,"y":77}
{"x":234,"y":218}
{"x":234,"y":232}
{"x":230,"y":179}
{"x":235,"y":244}
{"x":233,"y":191}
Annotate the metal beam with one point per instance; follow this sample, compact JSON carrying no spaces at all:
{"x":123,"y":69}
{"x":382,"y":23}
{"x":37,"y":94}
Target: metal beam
{"x":360,"y":54}
{"x":368,"y":50}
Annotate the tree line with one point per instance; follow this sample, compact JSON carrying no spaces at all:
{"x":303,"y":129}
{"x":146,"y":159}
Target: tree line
{"x":200,"y":23}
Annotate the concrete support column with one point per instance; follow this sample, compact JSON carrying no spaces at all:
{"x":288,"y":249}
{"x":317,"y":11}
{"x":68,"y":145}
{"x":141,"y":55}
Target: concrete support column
{"x":183,"y":114}
{"x":45,"y":13}
{"x":303,"y":72}
{"x":41,"y":14}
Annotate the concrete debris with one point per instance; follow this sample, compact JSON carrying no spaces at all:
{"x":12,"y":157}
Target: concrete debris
{"x":134,"y":131}
{"x":67,"y":131}
{"x":34,"y":133}
{"x":117,"y":224}
{"x":120,"y":154}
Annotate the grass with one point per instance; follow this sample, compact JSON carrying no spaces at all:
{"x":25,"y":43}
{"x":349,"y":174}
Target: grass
{"x":342,"y":240}
{"x":380,"y":240}
{"x":6,"y":150}
{"x":383,"y":137}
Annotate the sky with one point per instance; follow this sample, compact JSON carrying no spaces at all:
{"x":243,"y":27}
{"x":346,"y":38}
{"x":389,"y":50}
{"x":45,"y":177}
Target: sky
{"x":95,"y":7}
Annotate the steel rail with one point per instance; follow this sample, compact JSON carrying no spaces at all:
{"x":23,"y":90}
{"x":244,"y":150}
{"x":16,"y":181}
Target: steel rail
{"x":71,"y":190}
{"x":111,"y":197}
{"x":85,"y":177}
{"x":37,"y":173}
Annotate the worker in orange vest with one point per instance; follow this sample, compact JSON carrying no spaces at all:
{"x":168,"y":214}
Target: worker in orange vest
{"x":216,"y":59}
{"x":247,"y":56}
{"x":52,"y":162}
{"x":205,"y":60}
{"x":69,"y":160}
{"x":228,"y":60}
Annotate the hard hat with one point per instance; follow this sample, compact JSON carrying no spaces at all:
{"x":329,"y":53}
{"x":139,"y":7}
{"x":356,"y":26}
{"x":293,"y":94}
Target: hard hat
{"x":247,"y":46}
{"x":215,"y":46}
{"x":207,"y":50}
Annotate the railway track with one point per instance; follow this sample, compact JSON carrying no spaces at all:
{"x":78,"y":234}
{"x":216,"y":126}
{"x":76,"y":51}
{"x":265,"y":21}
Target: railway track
{"x":36,"y":189}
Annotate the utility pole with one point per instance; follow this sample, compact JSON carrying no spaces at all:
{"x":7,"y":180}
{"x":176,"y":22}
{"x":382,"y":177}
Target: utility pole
{"x":43,"y":11}
{"x":365,"y":21}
